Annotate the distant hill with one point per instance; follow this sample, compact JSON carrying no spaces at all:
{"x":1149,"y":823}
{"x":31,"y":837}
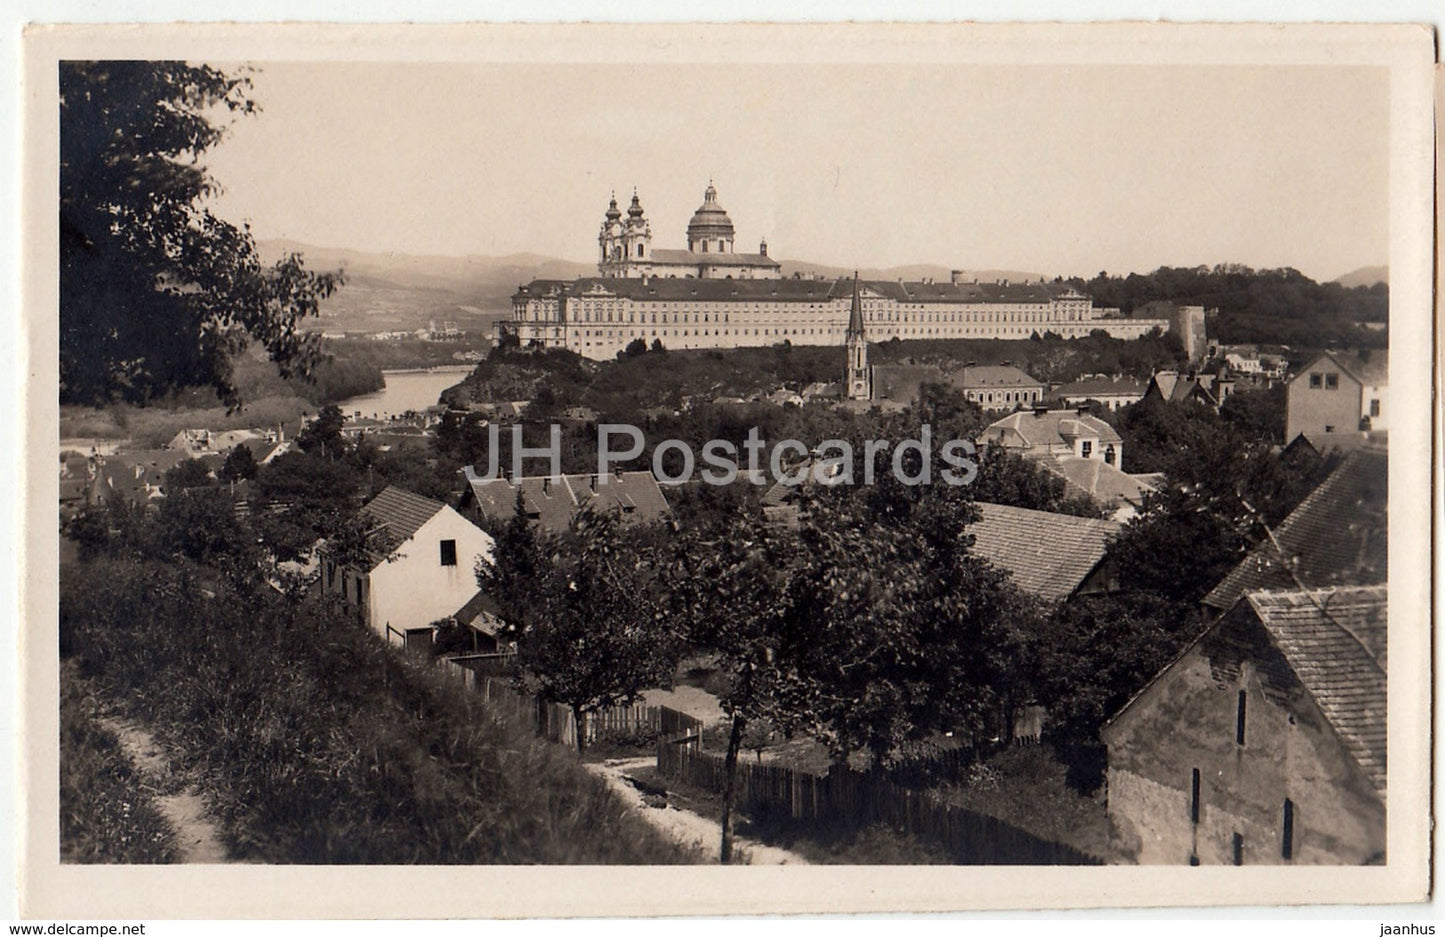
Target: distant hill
{"x":1365,"y":276}
{"x":393,"y":291}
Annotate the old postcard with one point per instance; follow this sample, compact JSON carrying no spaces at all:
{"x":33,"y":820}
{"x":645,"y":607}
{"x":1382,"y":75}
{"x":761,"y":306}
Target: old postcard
{"x":760,"y":468}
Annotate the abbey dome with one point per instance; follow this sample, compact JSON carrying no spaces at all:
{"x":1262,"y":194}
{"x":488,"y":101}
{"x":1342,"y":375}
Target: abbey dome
{"x":626,"y":246}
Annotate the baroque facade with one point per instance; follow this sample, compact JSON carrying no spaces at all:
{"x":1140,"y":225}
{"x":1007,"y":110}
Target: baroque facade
{"x":708,"y":296}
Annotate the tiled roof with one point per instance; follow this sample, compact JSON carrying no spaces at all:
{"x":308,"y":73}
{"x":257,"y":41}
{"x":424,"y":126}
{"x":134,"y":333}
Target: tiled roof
{"x":1176,"y":387}
{"x":1030,"y":428}
{"x":992,"y":375}
{"x":1103,"y":482}
{"x":1048,"y":555}
{"x":1334,"y":641}
{"x":554,"y":501}
{"x":1098,"y":387}
{"x":402,"y":512}
{"x":1336,"y":536}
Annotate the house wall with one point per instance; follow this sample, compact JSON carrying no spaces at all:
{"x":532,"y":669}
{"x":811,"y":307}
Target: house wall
{"x":1187,"y":720}
{"x":1311,"y":409}
{"x":1371,"y":393}
{"x":414,"y":589}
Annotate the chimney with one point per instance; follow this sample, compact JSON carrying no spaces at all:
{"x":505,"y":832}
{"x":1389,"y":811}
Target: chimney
{"x":546,"y":484}
{"x":955,"y":276}
{"x":763,"y":247}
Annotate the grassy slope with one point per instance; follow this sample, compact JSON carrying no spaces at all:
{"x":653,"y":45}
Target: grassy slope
{"x":319,"y":745}
{"x":105,"y":815}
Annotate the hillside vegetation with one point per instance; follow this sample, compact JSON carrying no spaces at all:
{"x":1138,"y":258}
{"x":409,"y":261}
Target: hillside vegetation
{"x":1271,"y":306}
{"x":317,"y":744}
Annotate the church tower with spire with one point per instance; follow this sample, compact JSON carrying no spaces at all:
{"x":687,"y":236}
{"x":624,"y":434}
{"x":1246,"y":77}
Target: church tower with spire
{"x":859,"y":380}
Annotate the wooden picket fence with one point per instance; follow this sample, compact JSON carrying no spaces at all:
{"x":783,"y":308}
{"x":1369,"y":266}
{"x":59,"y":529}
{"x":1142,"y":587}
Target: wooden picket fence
{"x":556,"y":722}
{"x":861,"y":798}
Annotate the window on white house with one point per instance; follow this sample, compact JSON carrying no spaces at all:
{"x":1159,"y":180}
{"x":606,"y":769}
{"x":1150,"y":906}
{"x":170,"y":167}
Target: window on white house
{"x":449,"y":553}
{"x":1374,"y":408}
{"x":1332,"y":382}
{"x":1086,"y":448}
{"x":1286,"y":845}
{"x":1316,"y":381}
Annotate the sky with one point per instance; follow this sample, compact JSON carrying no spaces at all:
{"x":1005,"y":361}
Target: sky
{"x":1050,"y":169}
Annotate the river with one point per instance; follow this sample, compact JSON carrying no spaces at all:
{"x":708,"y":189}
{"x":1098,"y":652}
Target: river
{"x":406,"y":390}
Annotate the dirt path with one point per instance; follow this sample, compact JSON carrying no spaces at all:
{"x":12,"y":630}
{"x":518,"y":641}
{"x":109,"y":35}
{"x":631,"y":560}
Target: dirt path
{"x":684,"y":826}
{"x":198,"y":838}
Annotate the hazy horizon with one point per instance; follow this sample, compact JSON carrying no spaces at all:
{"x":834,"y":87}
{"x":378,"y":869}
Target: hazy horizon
{"x":1063,"y":170}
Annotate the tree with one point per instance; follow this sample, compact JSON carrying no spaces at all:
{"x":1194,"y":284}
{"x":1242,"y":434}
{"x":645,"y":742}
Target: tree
{"x":322,"y":436}
{"x":731,"y":586}
{"x":157,"y":293}
{"x":190,"y":473}
{"x":865,"y":636}
{"x":199,"y":523}
{"x":589,"y":628}
{"x":658,"y":346}
{"x":638,"y":346}
{"x":240,"y":464}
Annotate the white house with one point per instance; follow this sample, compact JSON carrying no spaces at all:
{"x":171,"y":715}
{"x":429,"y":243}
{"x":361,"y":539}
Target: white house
{"x":1338,"y":397}
{"x":421,"y":569}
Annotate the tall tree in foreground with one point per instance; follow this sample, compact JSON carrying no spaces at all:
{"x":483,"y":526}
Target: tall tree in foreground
{"x":157,"y":292}
{"x":731,"y":585}
{"x":590,"y":627}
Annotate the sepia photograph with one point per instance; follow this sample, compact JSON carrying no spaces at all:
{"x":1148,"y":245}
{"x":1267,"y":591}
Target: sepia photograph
{"x":883,"y":454}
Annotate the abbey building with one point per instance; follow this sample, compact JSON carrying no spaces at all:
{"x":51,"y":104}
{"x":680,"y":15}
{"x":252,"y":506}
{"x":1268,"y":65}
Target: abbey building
{"x":627,"y":251}
{"x":709,"y":296}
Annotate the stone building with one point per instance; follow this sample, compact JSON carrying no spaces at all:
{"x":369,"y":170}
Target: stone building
{"x":1264,"y":742}
{"x":710,"y":296}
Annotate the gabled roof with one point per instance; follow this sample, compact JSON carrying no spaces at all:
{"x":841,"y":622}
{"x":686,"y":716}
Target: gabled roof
{"x":1336,"y":536}
{"x":1368,"y":367}
{"x":1334,"y":640}
{"x":554,"y":501}
{"x":1175,"y":387}
{"x":1333,"y":643}
{"x":400,"y":511}
{"x":1048,"y":555}
{"x":1031,"y":428}
{"x":1103,"y":482}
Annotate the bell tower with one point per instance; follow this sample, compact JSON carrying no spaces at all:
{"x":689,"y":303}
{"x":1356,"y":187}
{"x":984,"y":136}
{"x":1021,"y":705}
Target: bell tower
{"x":859,"y":380}
{"x":609,"y":240}
{"x":636,"y":240}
